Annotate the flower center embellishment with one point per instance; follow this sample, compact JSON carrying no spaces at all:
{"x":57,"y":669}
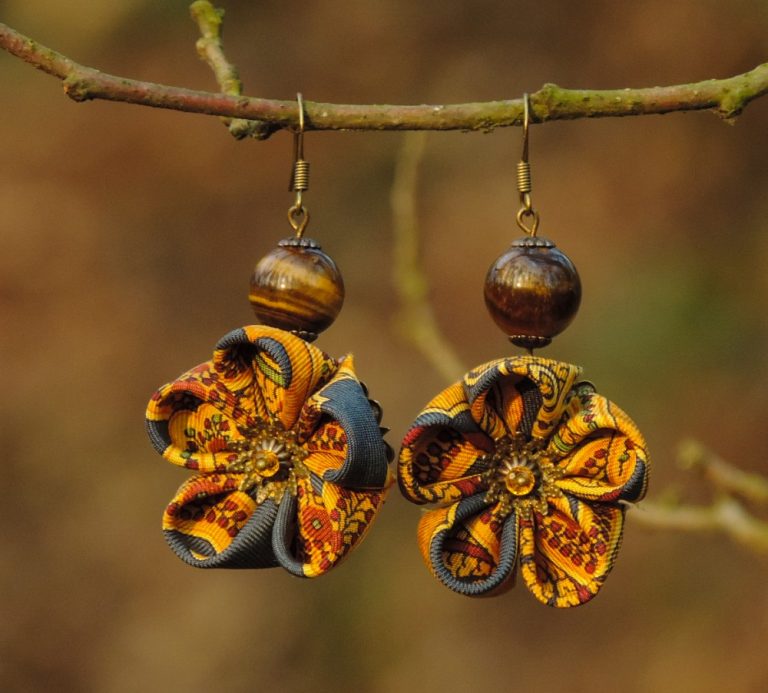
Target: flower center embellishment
{"x":266,"y":459}
{"x":269,"y":459}
{"x":521,"y":476}
{"x":520,"y":480}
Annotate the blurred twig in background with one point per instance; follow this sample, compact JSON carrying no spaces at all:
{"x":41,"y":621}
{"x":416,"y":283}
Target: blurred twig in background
{"x":728,"y":513}
{"x":727,"y":97}
{"x":415,"y":320}
{"x":732,"y":487}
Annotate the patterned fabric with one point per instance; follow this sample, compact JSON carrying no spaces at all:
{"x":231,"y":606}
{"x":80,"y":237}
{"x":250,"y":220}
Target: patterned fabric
{"x":529,"y":468}
{"x":291,"y":465}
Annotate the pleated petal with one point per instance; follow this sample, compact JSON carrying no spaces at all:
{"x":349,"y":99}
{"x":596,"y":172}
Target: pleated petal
{"x":566,"y":555}
{"x":207,"y":383}
{"x":601,"y":451}
{"x":468,"y":547}
{"x":496,"y":403}
{"x":519,"y":395}
{"x":318,"y":528}
{"x":196,"y":438}
{"x":338,"y":418}
{"x":441,"y":458}
{"x":191,"y":420}
{"x":442,"y":466}
{"x":210,"y":524}
{"x":285,"y":370}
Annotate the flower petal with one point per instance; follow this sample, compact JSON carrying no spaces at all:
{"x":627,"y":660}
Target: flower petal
{"x":604,"y":456}
{"x":441,"y":455}
{"x":195,"y":435}
{"x":468,"y":547}
{"x":565,"y":556}
{"x":339,"y":418}
{"x":327,"y":449}
{"x":285,"y":369}
{"x":210,"y":524}
{"x":519,"y":395}
{"x":316,"y":529}
{"x":191,"y":420}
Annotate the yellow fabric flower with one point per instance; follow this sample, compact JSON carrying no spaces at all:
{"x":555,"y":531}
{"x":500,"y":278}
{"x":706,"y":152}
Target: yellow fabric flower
{"x":529,"y":468}
{"x":292,"y":468}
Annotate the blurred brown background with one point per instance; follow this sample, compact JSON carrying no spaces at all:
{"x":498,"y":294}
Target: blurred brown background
{"x":128,"y":236}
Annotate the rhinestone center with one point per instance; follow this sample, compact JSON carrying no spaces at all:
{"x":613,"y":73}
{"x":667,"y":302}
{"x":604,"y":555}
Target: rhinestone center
{"x":520,"y":481}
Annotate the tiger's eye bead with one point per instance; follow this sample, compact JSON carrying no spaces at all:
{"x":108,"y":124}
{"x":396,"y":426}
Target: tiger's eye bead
{"x":297,"y":287}
{"x":532,"y":291}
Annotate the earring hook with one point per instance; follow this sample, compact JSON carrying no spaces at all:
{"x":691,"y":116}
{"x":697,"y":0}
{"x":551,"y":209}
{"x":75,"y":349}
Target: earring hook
{"x":524,"y":178}
{"x":526,"y":126}
{"x":298,"y":216}
{"x":298,"y":135}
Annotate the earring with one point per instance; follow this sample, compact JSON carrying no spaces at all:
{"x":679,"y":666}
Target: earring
{"x":528,"y":466}
{"x":291,"y":467}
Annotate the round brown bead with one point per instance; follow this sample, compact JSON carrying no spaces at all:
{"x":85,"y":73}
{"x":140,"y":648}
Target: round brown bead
{"x":297,"y":287}
{"x":532,"y":291}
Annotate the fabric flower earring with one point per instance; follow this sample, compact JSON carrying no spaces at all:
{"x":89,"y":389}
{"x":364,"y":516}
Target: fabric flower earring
{"x":528,"y":467}
{"x":290,"y":463}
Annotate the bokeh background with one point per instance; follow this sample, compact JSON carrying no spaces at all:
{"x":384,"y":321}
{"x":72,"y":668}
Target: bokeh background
{"x":128,"y":236}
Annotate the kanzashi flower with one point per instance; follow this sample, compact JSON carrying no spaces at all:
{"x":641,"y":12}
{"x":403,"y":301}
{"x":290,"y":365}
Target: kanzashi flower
{"x":528,"y":468}
{"x":291,"y":464}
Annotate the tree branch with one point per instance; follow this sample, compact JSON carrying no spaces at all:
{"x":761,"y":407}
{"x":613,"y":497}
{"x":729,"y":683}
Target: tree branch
{"x":728,"y":97}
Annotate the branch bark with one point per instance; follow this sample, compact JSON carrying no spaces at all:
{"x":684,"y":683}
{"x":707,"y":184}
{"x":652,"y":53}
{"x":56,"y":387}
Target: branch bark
{"x":727,"y":97}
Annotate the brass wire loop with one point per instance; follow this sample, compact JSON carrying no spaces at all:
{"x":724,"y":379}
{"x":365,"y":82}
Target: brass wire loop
{"x":298,"y":216}
{"x":524,"y":185}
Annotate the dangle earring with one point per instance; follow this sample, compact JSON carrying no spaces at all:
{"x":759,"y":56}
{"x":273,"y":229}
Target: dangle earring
{"x":289,"y":460}
{"x":529,"y":467}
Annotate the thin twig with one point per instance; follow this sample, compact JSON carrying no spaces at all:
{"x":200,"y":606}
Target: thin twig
{"x":722,"y":475}
{"x":211,"y":49}
{"x":416,"y":319}
{"x":728,"y":97}
{"x":725,"y":515}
